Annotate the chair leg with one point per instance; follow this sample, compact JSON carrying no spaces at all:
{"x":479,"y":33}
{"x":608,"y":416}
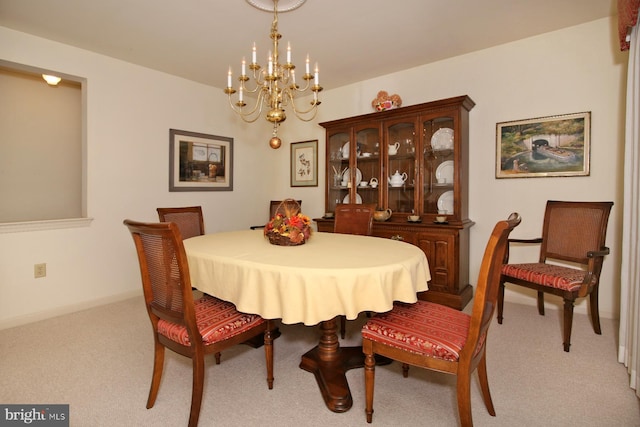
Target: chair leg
{"x":369,"y":380}
{"x":595,"y":312}
{"x":541,"y":303}
{"x":268,"y":353}
{"x":484,"y":385}
{"x":500,"y":302}
{"x":343,"y":326}
{"x":217,"y":356}
{"x":197,"y":388}
{"x":464,"y":398}
{"x":405,"y":370}
{"x":568,"y":322}
{"x":158,"y":365}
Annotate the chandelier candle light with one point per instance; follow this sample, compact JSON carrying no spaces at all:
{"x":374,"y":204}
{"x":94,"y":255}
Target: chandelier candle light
{"x":275,"y":86}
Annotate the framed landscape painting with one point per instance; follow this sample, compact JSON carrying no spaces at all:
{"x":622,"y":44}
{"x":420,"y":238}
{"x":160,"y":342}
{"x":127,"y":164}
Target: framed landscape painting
{"x":544,"y":147}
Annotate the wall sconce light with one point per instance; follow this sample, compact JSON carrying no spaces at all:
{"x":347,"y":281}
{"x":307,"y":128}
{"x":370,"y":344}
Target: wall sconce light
{"x":51,"y":80}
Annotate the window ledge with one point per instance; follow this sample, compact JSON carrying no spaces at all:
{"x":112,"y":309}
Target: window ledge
{"x":53,"y":224}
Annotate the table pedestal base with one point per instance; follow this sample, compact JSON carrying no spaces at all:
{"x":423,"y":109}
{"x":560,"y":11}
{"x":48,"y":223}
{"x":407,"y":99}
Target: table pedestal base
{"x":328,"y":362}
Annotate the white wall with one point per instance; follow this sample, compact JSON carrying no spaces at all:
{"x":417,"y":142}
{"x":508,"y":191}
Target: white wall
{"x":573,"y":70}
{"x":130,"y":110}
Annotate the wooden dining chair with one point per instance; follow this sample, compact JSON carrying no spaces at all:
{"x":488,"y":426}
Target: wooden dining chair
{"x":573,"y":233}
{"x":190,"y":222}
{"x":192,"y":328}
{"x":280,"y":206}
{"x":437,"y":337}
{"x":189,"y":219}
{"x":352,"y":218}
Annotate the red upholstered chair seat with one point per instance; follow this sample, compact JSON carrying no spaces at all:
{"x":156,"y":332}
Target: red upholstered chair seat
{"x":217,"y":320}
{"x":553,"y":276}
{"x":423,"y":328}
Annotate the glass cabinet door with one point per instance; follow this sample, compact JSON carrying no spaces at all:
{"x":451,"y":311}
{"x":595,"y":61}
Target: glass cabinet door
{"x":439,"y":166}
{"x":338,"y":177}
{"x":367,"y":166}
{"x":401,"y":172}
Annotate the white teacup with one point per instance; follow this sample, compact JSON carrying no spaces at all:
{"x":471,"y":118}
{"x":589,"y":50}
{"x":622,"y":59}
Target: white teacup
{"x":441,"y":219}
{"x":414,"y":218}
{"x":374,"y":182}
{"x":363,"y":183}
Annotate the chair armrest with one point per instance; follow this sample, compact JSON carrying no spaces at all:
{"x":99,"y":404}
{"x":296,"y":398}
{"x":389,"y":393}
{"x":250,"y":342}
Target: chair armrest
{"x":505,"y":260}
{"x":594,"y":267}
{"x":602,"y":252}
{"x":536,"y":240}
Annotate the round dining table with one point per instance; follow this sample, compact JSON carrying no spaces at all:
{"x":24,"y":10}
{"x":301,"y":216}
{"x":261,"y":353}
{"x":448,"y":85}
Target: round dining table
{"x":330,"y":275}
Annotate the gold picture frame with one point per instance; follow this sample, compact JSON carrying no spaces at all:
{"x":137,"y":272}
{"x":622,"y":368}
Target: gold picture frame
{"x":550,"y":146}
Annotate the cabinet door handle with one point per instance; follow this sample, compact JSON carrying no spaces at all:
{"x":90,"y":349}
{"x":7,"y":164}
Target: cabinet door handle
{"x":397,"y":237}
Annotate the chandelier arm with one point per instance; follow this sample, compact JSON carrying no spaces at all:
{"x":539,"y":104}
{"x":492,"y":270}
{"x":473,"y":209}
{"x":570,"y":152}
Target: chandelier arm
{"x":302,"y":114}
{"x":247,"y":116}
{"x":302,"y":89}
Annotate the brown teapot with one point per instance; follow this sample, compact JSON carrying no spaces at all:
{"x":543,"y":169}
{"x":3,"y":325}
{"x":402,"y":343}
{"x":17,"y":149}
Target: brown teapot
{"x":382,"y":215}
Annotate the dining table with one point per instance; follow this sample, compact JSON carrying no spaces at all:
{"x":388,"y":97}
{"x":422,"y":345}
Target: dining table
{"x":328,"y":276}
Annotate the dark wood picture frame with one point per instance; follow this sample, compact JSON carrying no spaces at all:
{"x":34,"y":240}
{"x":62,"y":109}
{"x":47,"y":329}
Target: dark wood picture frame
{"x":200,"y":162}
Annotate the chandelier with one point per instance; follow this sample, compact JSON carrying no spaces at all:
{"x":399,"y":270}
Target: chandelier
{"x":275,"y":86}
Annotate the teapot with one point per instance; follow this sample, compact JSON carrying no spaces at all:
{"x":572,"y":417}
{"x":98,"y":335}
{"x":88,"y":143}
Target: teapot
{"x":393,"y":148}
{"x":397,"y":180}
{"x":382,"y":215}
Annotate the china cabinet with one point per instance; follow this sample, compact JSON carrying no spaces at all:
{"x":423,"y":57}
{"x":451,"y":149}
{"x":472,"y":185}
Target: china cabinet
{"x":414,"y":161}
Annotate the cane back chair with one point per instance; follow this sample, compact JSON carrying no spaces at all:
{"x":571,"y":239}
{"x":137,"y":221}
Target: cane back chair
{"x":192,"y":328}
{"x":189,"y":219}
{"x":574,"y":233}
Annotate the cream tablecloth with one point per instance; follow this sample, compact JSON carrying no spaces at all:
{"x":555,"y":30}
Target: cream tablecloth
{"x":330,"y":275}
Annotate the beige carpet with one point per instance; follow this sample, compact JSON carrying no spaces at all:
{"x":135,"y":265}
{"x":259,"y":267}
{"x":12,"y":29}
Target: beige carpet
{"x":99,"y":361}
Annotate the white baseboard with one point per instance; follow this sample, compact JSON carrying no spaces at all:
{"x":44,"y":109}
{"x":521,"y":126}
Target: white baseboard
{"x":59,"y":311}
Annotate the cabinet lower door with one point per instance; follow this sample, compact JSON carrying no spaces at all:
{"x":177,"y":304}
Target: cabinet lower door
{"x":445,"y":251}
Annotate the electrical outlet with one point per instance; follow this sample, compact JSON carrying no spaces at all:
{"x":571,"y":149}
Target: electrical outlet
{"x":40,"y":270}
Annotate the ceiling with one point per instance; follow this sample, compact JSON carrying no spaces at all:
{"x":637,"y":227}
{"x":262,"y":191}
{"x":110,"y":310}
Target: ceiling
{"x":351,"y":40}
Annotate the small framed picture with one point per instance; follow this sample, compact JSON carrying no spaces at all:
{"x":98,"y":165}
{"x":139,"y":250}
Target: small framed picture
{"x":304,"y":164}
{"x":200,"y":162}
{"x":544,"y":147}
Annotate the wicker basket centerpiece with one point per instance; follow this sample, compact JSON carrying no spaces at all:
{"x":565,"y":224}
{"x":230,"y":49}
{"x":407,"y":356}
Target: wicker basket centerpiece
{"x":289,"y":227}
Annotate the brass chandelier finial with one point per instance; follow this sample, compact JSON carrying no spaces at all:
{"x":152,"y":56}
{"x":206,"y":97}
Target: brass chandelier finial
{"x":275,"y":86}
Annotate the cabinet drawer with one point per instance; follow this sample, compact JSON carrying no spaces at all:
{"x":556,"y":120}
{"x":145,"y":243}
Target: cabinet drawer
{"x":402,"y":235}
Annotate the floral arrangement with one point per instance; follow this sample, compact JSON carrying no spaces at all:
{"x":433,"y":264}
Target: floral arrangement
{"x":288,"y":230}
{"x":384,"y":101}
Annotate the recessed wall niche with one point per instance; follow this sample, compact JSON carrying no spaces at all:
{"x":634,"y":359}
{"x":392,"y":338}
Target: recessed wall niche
{"x":41,"y":148}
